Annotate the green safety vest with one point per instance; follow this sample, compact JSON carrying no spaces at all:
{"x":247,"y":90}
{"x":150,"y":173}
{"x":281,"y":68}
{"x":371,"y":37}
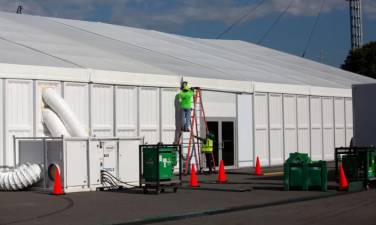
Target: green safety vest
{"x":208,"y":146}
{"x":186,"y":99}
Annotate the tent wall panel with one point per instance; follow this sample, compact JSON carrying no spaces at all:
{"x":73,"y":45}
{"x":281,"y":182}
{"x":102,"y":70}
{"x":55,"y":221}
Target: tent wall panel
{"x":102,"y":110}
{"x":3,"y":150}
{"x":276,"y":129}
{"x":339,"y":122}
{"x":290,"y":124}
{"x":245,"y":133}
{"x":328,"y":127}
{"x":303,"y":118}
{"x":261,"y":128}
{"x":77,"y":97}
{"x":316,"y":128}
{"x":169,"y":118}
{"x":18,"y":113}
{"x":349,"y":120}
{"x":219,"y":104}
{"x":39,"y":104}
{"x":149,"y":114}
{"x":126,"y":111}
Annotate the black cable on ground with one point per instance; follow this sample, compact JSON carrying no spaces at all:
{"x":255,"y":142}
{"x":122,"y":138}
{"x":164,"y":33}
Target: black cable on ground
{"x":275,"y":22}
{"x":107,"y":175}
{"x":236,"y":22}
{"x":313,"y":28}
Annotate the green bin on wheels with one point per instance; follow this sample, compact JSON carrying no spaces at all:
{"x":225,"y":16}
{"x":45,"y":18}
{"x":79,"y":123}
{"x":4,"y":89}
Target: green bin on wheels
{"x":154,"y":157}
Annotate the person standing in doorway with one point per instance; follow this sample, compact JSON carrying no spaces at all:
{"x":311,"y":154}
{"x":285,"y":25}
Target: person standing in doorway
{"x":207,"y":149}
{"x":186,"y":100}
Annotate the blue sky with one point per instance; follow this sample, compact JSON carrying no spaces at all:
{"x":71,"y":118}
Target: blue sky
{"x":208,"y":18}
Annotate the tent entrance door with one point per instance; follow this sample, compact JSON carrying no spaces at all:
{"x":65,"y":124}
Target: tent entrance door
{"x":224,"y":143}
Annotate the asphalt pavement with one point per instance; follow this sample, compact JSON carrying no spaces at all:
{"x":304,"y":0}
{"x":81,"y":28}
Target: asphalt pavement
{"x":245,"y":199}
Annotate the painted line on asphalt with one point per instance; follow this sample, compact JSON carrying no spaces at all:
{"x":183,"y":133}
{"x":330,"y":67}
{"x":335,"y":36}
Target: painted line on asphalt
{"x":273,"y":174}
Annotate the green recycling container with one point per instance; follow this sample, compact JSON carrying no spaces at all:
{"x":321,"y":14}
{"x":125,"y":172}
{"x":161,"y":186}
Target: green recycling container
{"x":155,"y":157}
{"x":300,"y":172}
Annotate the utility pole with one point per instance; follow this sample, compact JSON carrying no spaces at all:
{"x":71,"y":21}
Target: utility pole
{"x":356,"y":28}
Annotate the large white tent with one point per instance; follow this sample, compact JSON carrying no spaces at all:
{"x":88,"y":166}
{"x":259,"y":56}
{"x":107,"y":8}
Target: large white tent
{"x":122,"y":81}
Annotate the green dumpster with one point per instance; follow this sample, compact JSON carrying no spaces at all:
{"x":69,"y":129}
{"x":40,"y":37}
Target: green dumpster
{"x":301,"y":173}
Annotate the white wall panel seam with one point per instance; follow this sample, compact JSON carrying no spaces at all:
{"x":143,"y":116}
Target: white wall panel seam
{"x":34,"y":109}
{"x":322,"y":129}
{"x":90,"y":109}
{"x":345,"y":125}
{"x":253,"y":130}
{"x":236,"y":137}
{"x":310,"y":125}
{"x":297,"y":124}
{"x":268,"y":126}
{"x":160,"y":114}
{"x":138,"y":113}
{"x":334,"y":123}
{"x":4,"y":119}
{"x":283,"y":128}
{"x":114,"y":106}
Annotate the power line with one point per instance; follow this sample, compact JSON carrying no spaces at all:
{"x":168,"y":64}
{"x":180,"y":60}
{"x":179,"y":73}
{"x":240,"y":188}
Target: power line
{"x":236,"y":22}
{"x":275,"y":22}
{"x":313,"y":28}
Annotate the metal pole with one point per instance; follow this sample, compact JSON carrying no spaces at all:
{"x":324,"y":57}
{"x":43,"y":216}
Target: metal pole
{"x":356,"y":29}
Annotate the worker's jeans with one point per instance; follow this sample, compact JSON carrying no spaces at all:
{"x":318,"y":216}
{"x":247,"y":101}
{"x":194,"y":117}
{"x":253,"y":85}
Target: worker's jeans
{"x":186,"y":119}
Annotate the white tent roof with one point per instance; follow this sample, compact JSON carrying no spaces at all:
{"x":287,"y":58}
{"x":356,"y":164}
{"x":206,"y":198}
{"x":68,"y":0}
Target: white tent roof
{"x":120,"y":53}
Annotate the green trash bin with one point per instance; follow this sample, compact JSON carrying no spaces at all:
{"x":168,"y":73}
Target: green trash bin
{"x":318,"y":175}
{"x":155,"y":157}
{"x":301,"y":173}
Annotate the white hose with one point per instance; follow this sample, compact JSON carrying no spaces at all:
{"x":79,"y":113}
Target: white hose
{"x":20,"y":178}
{"x":54,"y":124}
{"x":62,"y":109}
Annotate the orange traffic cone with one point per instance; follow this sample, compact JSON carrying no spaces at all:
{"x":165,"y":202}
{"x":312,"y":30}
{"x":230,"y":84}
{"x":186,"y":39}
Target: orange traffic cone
{"x":57,"y":184}
{"x":343,"y":184}
{"x":222,"y":178}
{"x":193,"y":181}
{"x":258,"y":171}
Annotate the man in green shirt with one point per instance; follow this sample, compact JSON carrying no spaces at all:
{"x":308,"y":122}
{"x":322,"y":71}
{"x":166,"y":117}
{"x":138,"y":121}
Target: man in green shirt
{"x":186,"y":99}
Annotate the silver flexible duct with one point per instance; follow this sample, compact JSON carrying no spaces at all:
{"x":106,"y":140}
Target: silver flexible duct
{"x":20,"y":177}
